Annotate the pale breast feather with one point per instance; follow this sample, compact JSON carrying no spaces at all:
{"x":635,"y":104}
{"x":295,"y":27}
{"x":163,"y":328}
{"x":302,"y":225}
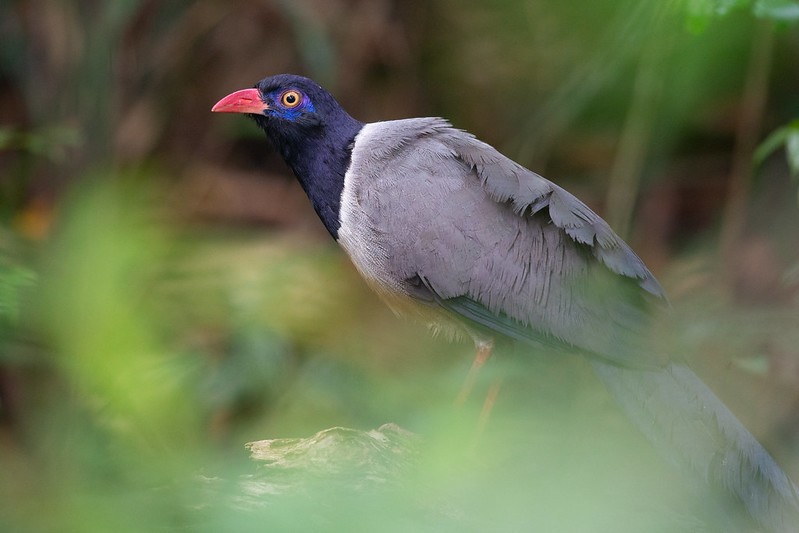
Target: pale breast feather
{"x":376,"y":209}
{"x":358,"y":234}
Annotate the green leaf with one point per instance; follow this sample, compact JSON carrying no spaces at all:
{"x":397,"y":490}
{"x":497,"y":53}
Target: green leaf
{"x":780,"y":10}
{"x":701,"y":12}
{"x":787,"y":136}
{"x":13,"y":279}
{"x":773,"y":142}
{"x":792,"y":150}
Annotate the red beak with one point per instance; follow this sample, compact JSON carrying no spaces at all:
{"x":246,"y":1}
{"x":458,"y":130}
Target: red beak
{"x":243,"y":101}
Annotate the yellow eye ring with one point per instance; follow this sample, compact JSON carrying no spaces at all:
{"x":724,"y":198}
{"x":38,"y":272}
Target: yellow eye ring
{"x":291,"y":99}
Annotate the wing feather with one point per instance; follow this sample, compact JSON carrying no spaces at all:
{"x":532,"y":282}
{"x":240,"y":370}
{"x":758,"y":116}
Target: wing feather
{"x":506,"y":180}
{"x":504,"y":247}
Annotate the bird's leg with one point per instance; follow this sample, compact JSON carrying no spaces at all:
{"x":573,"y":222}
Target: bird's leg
{"x":483,"y":353}
{"x":488,"y":404}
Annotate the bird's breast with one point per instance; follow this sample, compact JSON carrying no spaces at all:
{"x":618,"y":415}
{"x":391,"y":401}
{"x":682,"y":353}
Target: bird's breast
{"x":366,"y":242}
{"x":358,"y":234}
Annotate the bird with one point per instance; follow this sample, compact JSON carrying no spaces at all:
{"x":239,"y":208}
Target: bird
{"x":450,"y":232}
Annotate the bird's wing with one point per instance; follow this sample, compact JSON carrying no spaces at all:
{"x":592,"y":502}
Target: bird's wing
{"x":529,"y":193}
{"x":504,"y":247}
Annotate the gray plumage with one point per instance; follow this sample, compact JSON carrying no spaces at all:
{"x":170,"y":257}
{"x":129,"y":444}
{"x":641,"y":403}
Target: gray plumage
{"x":431,"y":215}
{"x":424,"y":201}
{"x":451,"y":232}
{"x":693,"y":429}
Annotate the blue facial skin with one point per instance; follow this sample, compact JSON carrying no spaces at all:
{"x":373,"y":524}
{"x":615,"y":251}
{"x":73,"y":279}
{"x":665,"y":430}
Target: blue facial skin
{"x":278,"y":110}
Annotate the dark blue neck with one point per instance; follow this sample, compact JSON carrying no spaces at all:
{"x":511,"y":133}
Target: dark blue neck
{"x":320,"y":161}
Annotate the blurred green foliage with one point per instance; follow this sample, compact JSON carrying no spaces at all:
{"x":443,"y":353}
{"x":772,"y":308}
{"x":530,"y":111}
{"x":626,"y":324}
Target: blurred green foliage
{"x":786,"y":137}
{"x":13,"y":279}
{"x":166,"y":294}
{"x":52,"y":142}
{"x":702,"y":12}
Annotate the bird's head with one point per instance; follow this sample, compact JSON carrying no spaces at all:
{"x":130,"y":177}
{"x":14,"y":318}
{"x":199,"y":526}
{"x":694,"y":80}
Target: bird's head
{"x":309,"y":128}
{"x":288,"y":107}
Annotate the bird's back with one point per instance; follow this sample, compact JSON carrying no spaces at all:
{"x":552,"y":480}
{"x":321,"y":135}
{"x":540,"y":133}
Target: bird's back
{"x":439,"y":231}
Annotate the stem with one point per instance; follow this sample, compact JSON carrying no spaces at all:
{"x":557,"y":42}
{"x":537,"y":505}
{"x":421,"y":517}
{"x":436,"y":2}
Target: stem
{"x":748,"y":132}
{"x":635,"y":138}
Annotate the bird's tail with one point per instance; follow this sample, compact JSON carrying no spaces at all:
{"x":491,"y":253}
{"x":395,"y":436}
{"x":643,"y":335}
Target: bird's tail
{"x":690,"y":426}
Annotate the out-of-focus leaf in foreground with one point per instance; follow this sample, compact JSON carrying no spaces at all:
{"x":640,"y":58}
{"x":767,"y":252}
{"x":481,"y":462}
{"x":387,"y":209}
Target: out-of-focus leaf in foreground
{"x":116,"y":423}
{"x":104,"y":328}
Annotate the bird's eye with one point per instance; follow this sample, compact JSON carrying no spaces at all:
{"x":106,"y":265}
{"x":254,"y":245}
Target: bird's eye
{"x":291,"y":98}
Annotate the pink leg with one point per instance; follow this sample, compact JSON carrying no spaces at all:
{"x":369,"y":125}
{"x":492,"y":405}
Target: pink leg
{"x":483,"y":353}
{"x":488,"y":404}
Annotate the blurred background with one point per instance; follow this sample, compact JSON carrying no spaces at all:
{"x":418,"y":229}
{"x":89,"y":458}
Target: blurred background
{"x":167,"y":293}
